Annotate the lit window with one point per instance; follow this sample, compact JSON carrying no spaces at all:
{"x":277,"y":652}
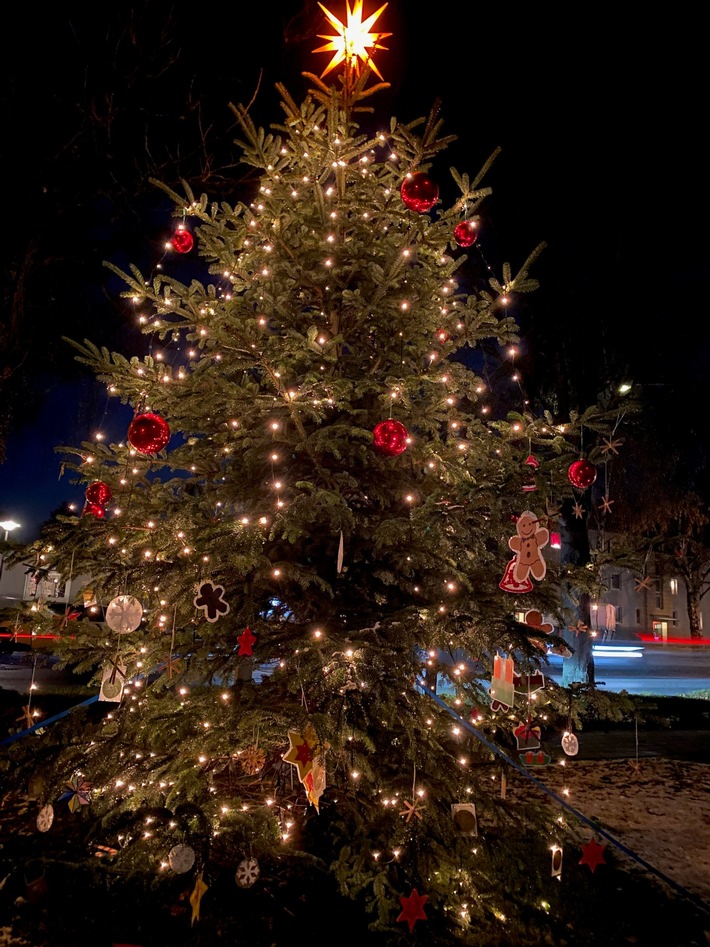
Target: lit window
{"x":674,"y":586}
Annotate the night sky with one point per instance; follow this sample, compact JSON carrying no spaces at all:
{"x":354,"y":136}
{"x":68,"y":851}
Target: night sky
{"x":599,"y":114}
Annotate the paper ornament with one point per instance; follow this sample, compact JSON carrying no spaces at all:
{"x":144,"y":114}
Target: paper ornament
{"x":465,"y":818}
{"x":45,"y":818}
{"x":112,"y":683}
{"x":341,"y":550}
{"x":527,"y":544}
{"x":527,"y":737}
{"x":592,"y":855}
{"x":247,"y":873}
{"x":556,"y":866}
{"x":303,"y":750}
{"x":535,"y":758}
{"x":529,"y":482}
{"x":246,"y":640}
{"x":79,"y":793}
{"x":413,"y":908}
{"x":196,"y":898}
{"x":510,"y":584}
{"x":528,"y":683}
{"x":210,"y":600}
{"x":314,"y":783}
{"x":181,"y":858}
{"x":502,"y":691}
{"x":570,"y":744}
{"x":124,"y":614}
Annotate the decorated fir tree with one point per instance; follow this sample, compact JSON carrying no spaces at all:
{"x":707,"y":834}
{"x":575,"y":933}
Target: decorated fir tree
{"x":321,"y":559}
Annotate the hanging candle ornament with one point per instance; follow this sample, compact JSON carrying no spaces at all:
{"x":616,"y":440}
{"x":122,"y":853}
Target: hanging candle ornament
{"x":98,"y":492}
{"x":532,"y":465}
{"x":148,"y":433}
{"x":390,"y":438}
{"x":182,"y":240}
{"x":466,"y":233}
{"x":419,"y":192}
{"x":93,"y":509}
{"x":582,"y":474}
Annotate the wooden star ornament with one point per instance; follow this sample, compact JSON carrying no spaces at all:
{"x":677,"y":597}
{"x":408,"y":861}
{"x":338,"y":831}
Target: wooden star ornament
{"x":606,"y":505}
{"x":644,"y":583}
{"x":412,"y":809}
{"x":578,"y":510}
{"x":611,"y":445}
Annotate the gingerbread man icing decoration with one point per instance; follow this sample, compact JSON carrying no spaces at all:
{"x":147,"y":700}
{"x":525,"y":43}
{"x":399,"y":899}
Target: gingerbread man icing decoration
{"x":528,"y":561}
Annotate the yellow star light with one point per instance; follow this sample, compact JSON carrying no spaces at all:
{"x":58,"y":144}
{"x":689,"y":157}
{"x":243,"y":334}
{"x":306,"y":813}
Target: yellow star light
{"x":353,"y":40}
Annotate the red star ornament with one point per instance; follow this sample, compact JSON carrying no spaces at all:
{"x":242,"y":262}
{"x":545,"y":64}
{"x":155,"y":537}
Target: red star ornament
{"x":246,"y":640}
{"x":413,"y":908}
{"x":592,"y":855}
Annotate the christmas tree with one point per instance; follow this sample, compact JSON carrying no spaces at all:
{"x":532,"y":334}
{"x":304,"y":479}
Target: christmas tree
{"x":318,"y":556}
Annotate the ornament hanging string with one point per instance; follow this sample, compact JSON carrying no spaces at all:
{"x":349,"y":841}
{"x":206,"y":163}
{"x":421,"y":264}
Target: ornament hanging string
{"x":593,"y":825}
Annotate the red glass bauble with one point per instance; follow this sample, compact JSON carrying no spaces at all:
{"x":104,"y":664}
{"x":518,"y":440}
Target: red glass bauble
{"x":148,"y":433}
{"x":182,"y":241}
{"x":582,"y":474}
{"x":98,"y":492}
{"x":390,"y":438}
{"x":419,"y":192}
{"x":93,"y":509}
{"x":466,"y":233}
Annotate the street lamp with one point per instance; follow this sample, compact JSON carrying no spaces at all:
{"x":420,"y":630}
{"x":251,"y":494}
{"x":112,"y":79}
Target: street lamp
{"x":8,"y":526}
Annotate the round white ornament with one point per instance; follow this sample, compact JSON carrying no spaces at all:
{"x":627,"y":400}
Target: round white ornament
{"x":45,"y":817}
{"x":124,"y":614}
{"x":181,"y":858}
{"x":570,"y":744}
{"x":248,"y":872}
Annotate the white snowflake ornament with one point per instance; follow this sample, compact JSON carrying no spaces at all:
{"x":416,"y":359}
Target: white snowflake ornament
{"x":248,"y":872}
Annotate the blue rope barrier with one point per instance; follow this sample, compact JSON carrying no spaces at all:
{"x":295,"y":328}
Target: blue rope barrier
{"x":45,"y":723}
{"x":562,"y":802}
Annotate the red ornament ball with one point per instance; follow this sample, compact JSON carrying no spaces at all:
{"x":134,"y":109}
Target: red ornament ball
{"x":419,"y":192}
{"x":93,"y":509}
{"x":582,"y":474}
{"x":98,"y":492}
{"x":182,"y":241}
{"x":466,"y":233}
{"x":148,"y":433}
{"x":390,"y":438}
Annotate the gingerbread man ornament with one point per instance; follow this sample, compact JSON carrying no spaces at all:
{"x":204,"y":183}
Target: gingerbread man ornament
{"x":527,"y":544}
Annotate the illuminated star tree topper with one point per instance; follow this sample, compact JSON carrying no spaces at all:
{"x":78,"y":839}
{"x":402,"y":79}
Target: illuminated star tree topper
{"x":353,"y":39}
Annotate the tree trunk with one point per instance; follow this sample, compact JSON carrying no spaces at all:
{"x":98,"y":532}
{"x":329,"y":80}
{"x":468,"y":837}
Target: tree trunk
{"x":692,"y":598}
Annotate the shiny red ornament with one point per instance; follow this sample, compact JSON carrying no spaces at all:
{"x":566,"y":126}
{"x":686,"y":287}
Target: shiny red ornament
{"x":466,"y":233}
{"x":182,"y":241}
{"x":98,"y":492}
{"x":582,"y":474}
{"x":93,"y":509}
{"x":419,"y":192}
{"x":390,"y":438}
{"x":148,"y":433}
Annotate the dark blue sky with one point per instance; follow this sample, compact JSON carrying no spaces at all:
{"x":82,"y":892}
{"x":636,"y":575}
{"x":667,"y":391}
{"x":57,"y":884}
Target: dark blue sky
{"x":603,"y":157}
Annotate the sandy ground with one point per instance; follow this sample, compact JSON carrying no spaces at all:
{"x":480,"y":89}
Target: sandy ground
{"x":660,"y":811}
